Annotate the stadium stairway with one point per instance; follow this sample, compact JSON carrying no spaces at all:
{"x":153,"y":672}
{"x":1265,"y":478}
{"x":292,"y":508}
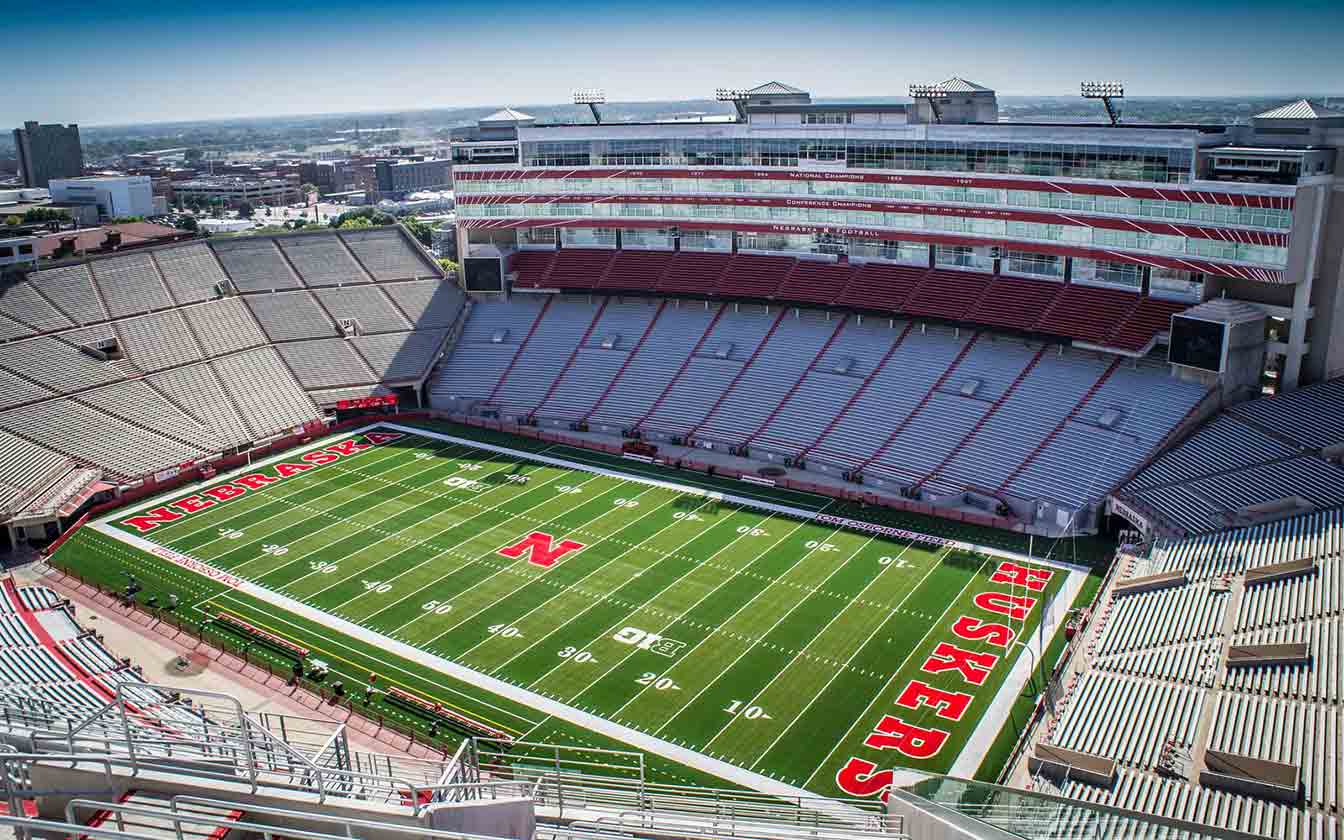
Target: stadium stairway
{"x":667,"y":389}
{"x":522,"y":345}
{"x":1014,"y":302}
{"x":636,"y":271}
{"x":1059,"y":427}
{"x":876,"y":286}
{"x":147,"y":814}
{"x":793,"y":389}
{"x":859,"y":392}
{"x":811,"y":281}
{"x":629,"y":357}
{"x":949,"y":295}
{"x":692,"y":273}
{"x":919,"y":406}
{"x":740,"y":372}
{"x":1087,"y":313}
{"x":984,"y":418}
{"x":573,"y":354}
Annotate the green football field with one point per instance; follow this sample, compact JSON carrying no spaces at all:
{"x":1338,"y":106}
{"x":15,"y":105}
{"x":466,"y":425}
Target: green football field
{"x":737,"y":628}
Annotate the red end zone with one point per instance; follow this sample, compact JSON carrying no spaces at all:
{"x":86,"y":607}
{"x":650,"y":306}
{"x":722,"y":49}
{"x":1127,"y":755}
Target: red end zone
{"x":240,"y":486}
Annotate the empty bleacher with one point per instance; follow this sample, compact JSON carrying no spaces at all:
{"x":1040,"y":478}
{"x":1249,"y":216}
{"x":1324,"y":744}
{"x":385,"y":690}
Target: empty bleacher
{"x":70,"y":288}
{"x":325,"y":363}
{"x":321,"y":260}
{"x":288,"y":316}
{"x":254,"y":264}
{"x":142,"y":406}
{"x":389,"y":254}
{"x":366,"y":304}
{"x":1157,"y":691}
{"x":427,"y":304}
{"x":813,"y":281}
{"x":190,"y":271}
{"x":1259,"y":452}
{"x":158,"y":341}
{"x":28,"y":311}
{"x":130,"y":284}
{"x":223,"y":326}
{"x":15,"y":390}
{"x":56,"y":364}
{"x":635,"y":270}
{"x":937,"y":409}
{"x":400,"y":357}
{"x":281,"y":406}
{"x":197,"y":391}
{"x":578,"y":268}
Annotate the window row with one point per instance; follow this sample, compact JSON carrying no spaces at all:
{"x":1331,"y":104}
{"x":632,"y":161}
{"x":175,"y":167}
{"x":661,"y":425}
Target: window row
{"x":1069,"y":160}
{"x":1038,"y":231}
{"x":1176,"y":211}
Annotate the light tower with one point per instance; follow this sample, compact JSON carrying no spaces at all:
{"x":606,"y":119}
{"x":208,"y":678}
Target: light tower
{"x":1106,"y":92}
{"x":592,"y":97}
{"x":930,"y":94}
{"x":737,"y":96}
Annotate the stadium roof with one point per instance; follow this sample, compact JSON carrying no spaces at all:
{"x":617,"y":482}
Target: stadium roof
{"x":507,"y":114}
{"x":1302,"y":109}
{"x":776,"y":89}
{"x":957,"y":84}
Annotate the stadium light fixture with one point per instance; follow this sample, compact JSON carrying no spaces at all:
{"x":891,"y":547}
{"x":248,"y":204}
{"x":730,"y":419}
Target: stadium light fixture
{"x":1107,"y":92}
{"x":592,"y":97}
{"x":737,"y":96}
{"x":930,"y":94}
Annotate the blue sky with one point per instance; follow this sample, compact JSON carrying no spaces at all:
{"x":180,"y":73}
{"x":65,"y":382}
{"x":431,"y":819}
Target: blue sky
{"x":95,"y":63}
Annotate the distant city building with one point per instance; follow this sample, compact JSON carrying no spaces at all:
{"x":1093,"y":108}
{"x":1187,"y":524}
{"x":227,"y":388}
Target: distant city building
{"x":329,"y":176}
{"x":48,"y":151}
{"x":21,"y":250}
{"x":233,"y":190}
{"x":396,"y":177}
{"x":114,"y":195}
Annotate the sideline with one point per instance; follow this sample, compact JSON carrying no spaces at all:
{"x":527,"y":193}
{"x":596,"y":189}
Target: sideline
{"x":546,"y":705}
{"x":745,"y":501}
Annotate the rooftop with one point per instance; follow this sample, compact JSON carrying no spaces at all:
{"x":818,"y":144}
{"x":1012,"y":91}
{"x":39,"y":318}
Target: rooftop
{"x":1302,"y":109}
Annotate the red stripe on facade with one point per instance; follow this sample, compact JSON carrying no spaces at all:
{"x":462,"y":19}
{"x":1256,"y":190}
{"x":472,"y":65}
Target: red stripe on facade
{"x":1008,"y":183}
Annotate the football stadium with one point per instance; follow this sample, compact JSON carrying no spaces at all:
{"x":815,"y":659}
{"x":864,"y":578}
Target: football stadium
{"x":828,"y":470}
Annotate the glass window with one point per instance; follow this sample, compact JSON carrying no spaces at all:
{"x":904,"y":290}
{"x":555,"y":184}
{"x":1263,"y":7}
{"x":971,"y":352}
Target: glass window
{"x":1091,"y":272}
{"x":1027,"y":264}
{"x":975,"y":258}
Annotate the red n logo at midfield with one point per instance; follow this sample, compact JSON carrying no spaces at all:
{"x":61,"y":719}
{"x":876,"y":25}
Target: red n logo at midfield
{"x":541,"y":548}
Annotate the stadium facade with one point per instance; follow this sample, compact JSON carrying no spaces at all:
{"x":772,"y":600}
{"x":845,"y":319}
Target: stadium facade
{"x":1149,"y":220}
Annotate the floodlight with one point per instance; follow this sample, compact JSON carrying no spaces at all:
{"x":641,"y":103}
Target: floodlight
{"x":927,"y":91}
{"x":729,"y":94}
{"x":590,"y":96}
{"x":1101,"y":90}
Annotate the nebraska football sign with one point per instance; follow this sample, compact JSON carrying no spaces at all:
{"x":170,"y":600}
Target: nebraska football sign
{"x":244,"y":484}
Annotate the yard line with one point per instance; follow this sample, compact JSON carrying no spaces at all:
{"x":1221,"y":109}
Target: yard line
{"x":569,"y":587}
{"x":282,"y":498}
{"x":802,"y":651}
{"x":876,"y":629}
{"x":465,"y":500}
{"x":631,"y":612}
{"x":383,"y":665}
{"x":324,"y":513}
{"x":573,"y":585}
{"x":858,"y":721}
{"x":492,"y":552}
{"x":245,"y":507}
{"x":453,"y":547}
{"x":752,"y":646}
{"x":709,"y":635}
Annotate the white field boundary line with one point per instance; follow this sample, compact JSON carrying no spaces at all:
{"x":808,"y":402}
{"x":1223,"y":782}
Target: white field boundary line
{"x":992,"y":721}
{"x":545,"y":705}
{"x":744,"y":501}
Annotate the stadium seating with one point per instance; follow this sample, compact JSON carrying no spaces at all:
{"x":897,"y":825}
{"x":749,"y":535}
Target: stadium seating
{"x":130,"y":284}
{"x":191,"y":272}
{"x":635,"y":271}
{"x":388,"y":254}
{"x":280,"y":406}
{"x":196,"y":390}
{"x":55,"y":364}
{"x":753,"y":276}
{"x":158,"y":341}
{"x":916,"y":406}
{"x":255,"y":264}
{"x":578,"y":268}
{"x":427,"y":304}
{"x":1259,"y":452}
{"x":1156,"y":687}
{"x":29,"y":312}
{"x":224,"y":326}
{"x":812,"y":281}
{"x":321,"y":260}
{"x":946,"y":294}
{"x":692,"y":272}
{"x":366,"y":304}
{"x":400,"y":357}
{"x":70,"y":288}
{"x":286,"y":316}
{"x":326,"y":363}
{"x":532,"y":268}
{"x":880,"y":287}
